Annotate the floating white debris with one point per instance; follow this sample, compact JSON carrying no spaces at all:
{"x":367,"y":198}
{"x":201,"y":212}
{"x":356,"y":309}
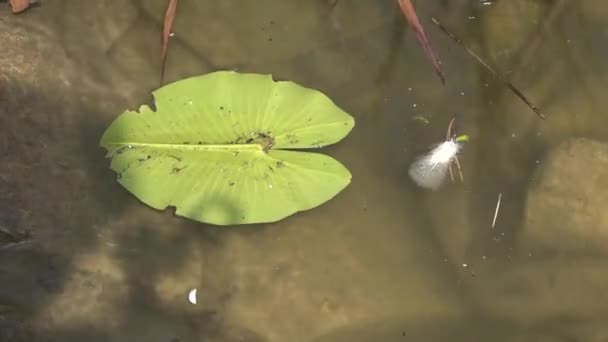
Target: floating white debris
{"x":192,"y":296}
{"x":496,"y":211}
{"x":430,"y":170}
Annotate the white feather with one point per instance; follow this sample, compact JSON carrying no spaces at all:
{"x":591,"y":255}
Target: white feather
{"x":430,"y":170}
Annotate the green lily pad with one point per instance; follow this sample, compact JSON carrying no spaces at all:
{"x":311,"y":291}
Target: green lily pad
{"x":222,"y":148}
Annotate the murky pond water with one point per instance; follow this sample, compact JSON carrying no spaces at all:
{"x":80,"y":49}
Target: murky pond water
{"x":384,"y":260}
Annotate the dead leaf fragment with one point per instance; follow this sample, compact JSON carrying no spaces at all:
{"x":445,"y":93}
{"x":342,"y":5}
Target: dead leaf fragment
{"x":19,"y":5}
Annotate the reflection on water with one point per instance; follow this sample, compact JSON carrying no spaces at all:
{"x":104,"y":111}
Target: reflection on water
{"x":384,"y":260}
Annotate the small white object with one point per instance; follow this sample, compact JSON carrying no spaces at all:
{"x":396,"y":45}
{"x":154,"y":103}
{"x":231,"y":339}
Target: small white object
{"x":192,"y":296}
{"x":496,"y":211}
{"x":429,"y":171}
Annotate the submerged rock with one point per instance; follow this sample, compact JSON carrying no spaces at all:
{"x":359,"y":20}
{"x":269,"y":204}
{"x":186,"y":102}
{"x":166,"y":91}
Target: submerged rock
{"x":553,"y":278}
{"x":565,"y":204}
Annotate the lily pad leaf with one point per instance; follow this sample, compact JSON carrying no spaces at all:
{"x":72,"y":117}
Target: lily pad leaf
{"x":224,"y":148}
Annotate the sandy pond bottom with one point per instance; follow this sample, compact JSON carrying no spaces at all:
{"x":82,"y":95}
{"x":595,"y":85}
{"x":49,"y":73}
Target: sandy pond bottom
{"x":383,"y":261}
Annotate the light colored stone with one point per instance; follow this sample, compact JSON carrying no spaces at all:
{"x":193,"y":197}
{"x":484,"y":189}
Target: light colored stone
{"x":553,"y":269}
{"x":566,"y":204}
{"x":29,"y":58}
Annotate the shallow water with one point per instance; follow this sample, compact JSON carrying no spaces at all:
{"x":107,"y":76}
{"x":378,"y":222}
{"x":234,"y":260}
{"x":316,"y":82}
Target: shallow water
{"x":384,"y":260}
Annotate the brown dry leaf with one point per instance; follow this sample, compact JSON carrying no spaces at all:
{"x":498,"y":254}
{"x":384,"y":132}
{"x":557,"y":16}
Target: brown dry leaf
{"x":407,"y":8}
{"x":19,"y":5}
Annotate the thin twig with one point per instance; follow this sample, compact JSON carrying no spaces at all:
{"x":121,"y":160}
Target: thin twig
{"x":16,"y":239}
{"x":496,"y":211}
{"x":10,"y":234}
{"x":459,"y":169}
{"x":449,"y":136}
{"x":490,"y":69}
{"x":15,"y":245}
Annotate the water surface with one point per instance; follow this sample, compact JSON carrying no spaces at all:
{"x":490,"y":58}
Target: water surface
{"x":384,"y":260}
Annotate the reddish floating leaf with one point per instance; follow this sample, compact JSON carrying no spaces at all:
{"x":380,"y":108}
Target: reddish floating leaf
{"x":167,"y":29}
{"x":19,"y":5}
{"x":407,"y":8}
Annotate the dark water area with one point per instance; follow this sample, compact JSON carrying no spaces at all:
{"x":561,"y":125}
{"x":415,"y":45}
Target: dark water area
{"x":81,"y":259}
